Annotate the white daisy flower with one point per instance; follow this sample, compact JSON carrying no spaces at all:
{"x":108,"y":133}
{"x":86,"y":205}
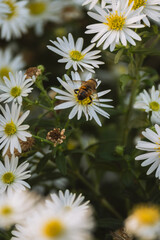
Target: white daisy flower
{"x":67,"y":202}
{"x":10,"y":62}
{"x":73,"y":54}
{"x":150,"y":102}
{"x":11,"y":129}
{"x":15,"y":88}
{"x":14,"y":23}
{"x":47,"y":224}
{"x":12,"y":176}
{"x":151,"y":9}
{"x":15,"y":207}
{"x":42,"y":11}
{"x":4,"y":9}
{"x":93,"y":3}
{"x":115,"y":24}
{"x":144,"y":222}
{"x":153,"y":148}
{"x":89,"y":105}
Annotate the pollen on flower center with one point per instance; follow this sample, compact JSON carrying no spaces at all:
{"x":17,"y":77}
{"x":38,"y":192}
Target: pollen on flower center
{"x":8,"y":178}
{"x":53,"y":228}
{"x":10,"y":128}
{"x":4,"y":72}
{"x":12,"y":7}
{"x":115,"y":22}
{"x":147,"y":215}
{"x":76,"y":55}
{"x":138,"y":3}
{"x":6,"y":210}
{"x":15,"y":91}
{"x":37,"y":8}
{"x":154,"y":106}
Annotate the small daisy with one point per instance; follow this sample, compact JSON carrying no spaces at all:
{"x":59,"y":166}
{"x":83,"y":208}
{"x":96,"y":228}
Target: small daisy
{"x":14,"y":23}
{"x":89,"y":106}
{"x":144,"y":222}
{"x":15,"y":88}
{"x":93,"y":3}
{"x":153,"y":148}
{"x":12,"y":176}
{"x":11,"y":129}
{"x":150,"y":102}
{"x":67,"y":202}
{"x":15,"y":207}
{"x":115,"y":24}
{"x":10,"y":62}
{"x":47,"y":224}
{"x":151,"y":9}
{"x":73,"y":54}
{"x":42,"y":11}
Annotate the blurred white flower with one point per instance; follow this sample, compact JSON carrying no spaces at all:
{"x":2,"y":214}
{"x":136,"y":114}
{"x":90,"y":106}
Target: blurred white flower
{"x":73,"y":55}
{"x":15,"y":88}
{"x":89,"y":105}
{"x":93,"y":3}
{"x":10,"y":62}
{"x":12,"y":175}
{"x":15,"y":207}
{"x":67,"y":201}
{"x":153,"y":148}
{"x":11,"y":129}
{"x":115,"y":24}
{"x":41,"y":12}
{"x":151,"y":9}
{"x":46,"y":224}
{"x":4,"y":9}
{"x":144,"y":222}
{"x":14,"y":23}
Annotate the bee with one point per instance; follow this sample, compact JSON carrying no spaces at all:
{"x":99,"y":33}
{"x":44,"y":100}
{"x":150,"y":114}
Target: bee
{"x":86,"y":90}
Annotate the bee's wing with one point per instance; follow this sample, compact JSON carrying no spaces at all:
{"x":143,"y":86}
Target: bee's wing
{"x":77,"y":83}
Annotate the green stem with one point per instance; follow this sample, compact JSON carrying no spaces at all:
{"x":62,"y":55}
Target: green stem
{"x":42,"y":140}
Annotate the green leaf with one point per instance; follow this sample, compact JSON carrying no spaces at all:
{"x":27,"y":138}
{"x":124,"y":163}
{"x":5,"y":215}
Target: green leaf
{"x":118,"y":55}
{"x":61,"y":164}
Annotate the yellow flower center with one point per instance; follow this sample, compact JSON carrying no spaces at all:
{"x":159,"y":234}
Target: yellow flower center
{"x":76,"y":55}
{"x":8,"y":178}
{"x":4,"y":72}
{"x":12,"y":7}
{"x":37,"y":8}
{"x":147,"y":215}
{"x":15,"y":91}
{"x":53,"y":228}
{"x":154,"y":106}
{"x":10,"y":128}
{"x":6,"y":210}
{"x":85,"y":101}
{"x":115,"y":22}
{"x":138,"y":3}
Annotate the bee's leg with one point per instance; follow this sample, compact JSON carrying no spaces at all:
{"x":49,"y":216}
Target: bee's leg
{"x":90,"y":99}
{"x":76,"y":91}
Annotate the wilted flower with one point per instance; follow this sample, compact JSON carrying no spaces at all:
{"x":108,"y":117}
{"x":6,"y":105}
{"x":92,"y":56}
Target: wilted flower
{"x":56,"y":136}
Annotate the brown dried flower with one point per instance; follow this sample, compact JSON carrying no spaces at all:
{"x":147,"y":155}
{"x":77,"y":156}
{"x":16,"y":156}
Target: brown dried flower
{"x":121,"y":234}
{"x":56,"y":136}
{"x":27,"y":145}
{"x":33,"y":72}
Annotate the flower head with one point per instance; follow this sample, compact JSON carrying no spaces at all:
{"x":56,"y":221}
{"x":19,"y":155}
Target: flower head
{"x":12,"y":176}
{"x":89,"y":105}
{"x":15,"y":87}
{"x":15,"y":207}
{"x":144,"y":222}
{"x":11,"y":129}
{"x":115,"y":24}
{"x":9,"y":63}
{"x":73,"y":54}
{"x":153,"y":148}
{"x":150,"y":8}
{"x":56,"y":136}
{"x":14,"y":23}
